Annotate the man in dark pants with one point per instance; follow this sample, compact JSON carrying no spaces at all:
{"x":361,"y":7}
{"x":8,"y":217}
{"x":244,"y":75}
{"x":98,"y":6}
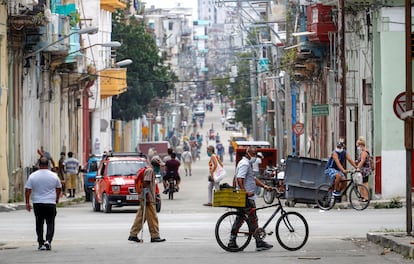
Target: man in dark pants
{"x":44,"y":187}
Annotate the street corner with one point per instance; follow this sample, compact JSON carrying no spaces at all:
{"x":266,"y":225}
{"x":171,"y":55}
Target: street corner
{"x":399,"y":242}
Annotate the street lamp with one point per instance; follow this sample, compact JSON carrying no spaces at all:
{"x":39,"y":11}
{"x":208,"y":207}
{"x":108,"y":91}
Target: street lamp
{"x":123,"y":63}
{"x":112,"y":44}
{"x":88,"y":30}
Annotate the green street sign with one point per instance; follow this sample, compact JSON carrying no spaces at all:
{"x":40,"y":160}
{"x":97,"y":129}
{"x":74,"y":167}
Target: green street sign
{"x":320,"y":110}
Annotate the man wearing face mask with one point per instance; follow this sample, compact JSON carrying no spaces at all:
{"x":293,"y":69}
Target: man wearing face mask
{"x":335,"y":168}
{"x":246,"y":180}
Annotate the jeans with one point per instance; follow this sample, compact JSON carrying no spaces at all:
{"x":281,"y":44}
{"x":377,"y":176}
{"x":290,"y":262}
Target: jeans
{"x":252,"y":219}
{"x":211,"y":185}
{"x":45,"y":213}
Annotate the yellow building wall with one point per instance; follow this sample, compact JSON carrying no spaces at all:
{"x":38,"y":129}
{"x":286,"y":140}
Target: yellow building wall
{"x":4,"y":178}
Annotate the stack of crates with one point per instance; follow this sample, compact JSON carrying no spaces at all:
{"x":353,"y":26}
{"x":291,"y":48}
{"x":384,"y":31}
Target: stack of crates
{"x":302,"y":178}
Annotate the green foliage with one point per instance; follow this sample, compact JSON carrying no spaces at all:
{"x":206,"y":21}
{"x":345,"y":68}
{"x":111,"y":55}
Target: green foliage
{"x":287,"y":61}
{"x":220,"y":85}
{"x":74,"y":18}
{"x":147,"y":77}
{"x":395,"y":202}
{"x":241,"y":91}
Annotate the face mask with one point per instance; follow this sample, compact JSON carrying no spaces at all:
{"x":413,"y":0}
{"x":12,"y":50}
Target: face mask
{"x":209,"y":154}
{"x":360,"y":148}
{"x":252,"y":160}
{"x":338,"y":150}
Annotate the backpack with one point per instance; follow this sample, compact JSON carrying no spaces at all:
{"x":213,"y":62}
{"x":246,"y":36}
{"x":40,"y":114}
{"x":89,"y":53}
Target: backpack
{"x":139,"y":181}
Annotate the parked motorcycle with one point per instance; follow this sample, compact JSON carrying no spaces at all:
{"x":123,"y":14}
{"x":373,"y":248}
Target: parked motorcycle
{"x":274,"y":176}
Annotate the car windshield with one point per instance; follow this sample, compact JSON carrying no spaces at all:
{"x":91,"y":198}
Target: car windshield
{"x":124,"y":167}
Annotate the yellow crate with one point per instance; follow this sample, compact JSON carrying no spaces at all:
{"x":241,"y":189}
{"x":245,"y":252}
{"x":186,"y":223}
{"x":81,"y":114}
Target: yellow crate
{"x":229,"y":198}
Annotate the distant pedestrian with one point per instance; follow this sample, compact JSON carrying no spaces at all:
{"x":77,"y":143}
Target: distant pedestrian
{"x":61,"y":171}
{"x":187,"y":160}
{"x":231,"y":151}
{"x":220,"y":151}
{"x":43,"y":187}
{"x":72,"y":168}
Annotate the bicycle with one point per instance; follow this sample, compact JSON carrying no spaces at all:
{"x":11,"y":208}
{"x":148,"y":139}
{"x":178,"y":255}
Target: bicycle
{"x":292,"y":230}
{"x":326,"y":200}
{"x":171,"y":188}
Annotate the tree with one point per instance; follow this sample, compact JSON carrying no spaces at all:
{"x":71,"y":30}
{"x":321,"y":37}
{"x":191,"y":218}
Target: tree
{"x":147,"y":78}
{"x":241,"y":91}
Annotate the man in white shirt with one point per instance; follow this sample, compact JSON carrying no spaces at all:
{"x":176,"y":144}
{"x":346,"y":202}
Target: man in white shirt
{"x":44,"y":187}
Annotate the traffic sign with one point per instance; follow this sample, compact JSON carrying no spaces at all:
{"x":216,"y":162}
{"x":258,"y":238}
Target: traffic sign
{"x":320,"y":110}
{"x":298,"y":129}
{"x":399,"y":105}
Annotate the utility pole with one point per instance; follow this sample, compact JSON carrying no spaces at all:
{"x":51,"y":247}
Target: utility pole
{"x":342,"y":70}
{"x":253,"y":97}
{"x":408,"y":122}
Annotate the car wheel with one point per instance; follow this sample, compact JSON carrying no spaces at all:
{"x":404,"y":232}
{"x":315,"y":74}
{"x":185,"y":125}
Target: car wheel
{"x":96,"y":206}
{"x":106,"y":206}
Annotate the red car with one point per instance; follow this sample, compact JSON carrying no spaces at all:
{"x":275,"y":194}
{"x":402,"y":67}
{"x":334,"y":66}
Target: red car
{"x":115,"y":182}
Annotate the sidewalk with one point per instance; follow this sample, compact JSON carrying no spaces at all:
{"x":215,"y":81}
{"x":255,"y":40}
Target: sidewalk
{"x":63,"y":201}
{"x":399,"y":242}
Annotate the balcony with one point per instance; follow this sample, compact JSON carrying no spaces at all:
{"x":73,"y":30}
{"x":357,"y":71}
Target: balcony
{"x":113,"y":82}
{"x":112,"y":5}
{"x":321,"y":21}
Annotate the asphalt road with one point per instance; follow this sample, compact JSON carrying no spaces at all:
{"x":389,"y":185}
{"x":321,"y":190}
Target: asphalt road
{"x":84,"y":236}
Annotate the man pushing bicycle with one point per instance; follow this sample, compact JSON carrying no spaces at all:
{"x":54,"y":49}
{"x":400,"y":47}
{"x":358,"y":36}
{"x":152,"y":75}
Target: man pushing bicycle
{"x":335,"y":168}
{"x":246,"y":180}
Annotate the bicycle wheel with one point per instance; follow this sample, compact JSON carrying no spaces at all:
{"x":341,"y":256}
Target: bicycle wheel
{"x":224,"y":226}
{"x":324,"y":197}
{"x":292,"y":231}
{"x":356,"y":199}
{"x":268,"y":196}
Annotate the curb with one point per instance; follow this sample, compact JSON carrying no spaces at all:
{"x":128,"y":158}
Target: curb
{"x":12,"y":207}
{"x":400,"y":243}
{"x":22,"y":206}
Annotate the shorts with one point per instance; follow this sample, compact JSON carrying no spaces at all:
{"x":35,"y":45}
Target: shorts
{"x":71,"y":181}
{"x":187,"y":165}
{"x":332,"y":174}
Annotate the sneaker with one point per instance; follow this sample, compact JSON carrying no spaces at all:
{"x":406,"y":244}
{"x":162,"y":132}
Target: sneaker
{"x":47,"y":245}
{"x":336,"y":193}
{"x":263,"y":246}
{"x":232,"y":245}
{"x":134,"y":238}
{"x":41,"y":247}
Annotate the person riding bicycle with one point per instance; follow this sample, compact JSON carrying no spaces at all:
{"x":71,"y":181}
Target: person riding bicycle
{"x":171,"y":171}
{"x":335,"y":168}
{"x":246,"y":180}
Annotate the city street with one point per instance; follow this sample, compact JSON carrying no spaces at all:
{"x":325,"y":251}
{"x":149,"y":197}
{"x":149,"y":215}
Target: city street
{"x":84,"y":236}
